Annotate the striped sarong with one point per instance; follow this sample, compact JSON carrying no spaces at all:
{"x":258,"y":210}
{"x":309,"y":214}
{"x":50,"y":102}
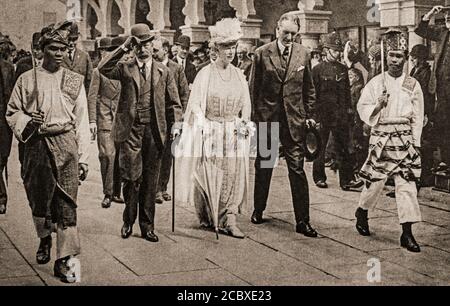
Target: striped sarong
{"x":391,"y":151}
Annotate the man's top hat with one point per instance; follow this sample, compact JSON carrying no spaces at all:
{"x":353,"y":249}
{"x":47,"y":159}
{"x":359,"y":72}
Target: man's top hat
{"x":184,"y":41}
{"x":142,"y":33}
{"x":420,"y":51}
{"x":313,"y":143}
{"x":333,"y":41}
{"x":104,"y":43}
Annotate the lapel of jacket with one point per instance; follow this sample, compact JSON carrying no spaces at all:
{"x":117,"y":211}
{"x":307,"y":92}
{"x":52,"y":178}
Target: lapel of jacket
{"x":134,"y":70}
{"x":294,"y":62}
{"x":440,"y":50}
{"x":276,"y":61}
{"x":156,"y":75}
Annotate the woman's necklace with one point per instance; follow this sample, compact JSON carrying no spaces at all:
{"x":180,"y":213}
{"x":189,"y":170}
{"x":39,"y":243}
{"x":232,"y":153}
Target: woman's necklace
{"x":220,"y":75}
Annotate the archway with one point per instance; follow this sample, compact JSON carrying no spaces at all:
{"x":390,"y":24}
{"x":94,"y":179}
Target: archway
{"x":114,"y":12}
{"x":91,"y":23}
{"x":142,"y":9}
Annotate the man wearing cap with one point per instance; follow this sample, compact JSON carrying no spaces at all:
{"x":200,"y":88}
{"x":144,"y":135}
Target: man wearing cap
{"x":392,"y":105}
{"x":421,"y":71}
{"x":103,"y":98}
{"x":161,"y":49}
{"x":283,"y":96}
{"x":147,"y":106}
{"x":48,"y":113}
{"x":183,"y":58}
{"x":334,"y":112}
{"x":76,"y":59}
{"x":440,"y":77}
{"x":374,"y":55}
{"x":6,"y":86}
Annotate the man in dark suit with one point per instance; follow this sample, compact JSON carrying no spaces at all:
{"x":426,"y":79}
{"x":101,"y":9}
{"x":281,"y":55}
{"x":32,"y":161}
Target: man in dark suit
{"x":183,"y":58}
{"x":149,"y":97}
{"x":6,"y":87}
{"x":76,"y":59}
{"x":440,"y":78}
{"x":103,"y":98}
{"x":283,"y":97}
{"x":161,"y":54}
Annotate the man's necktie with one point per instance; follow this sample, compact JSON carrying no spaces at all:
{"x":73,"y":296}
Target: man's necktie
{"x":286,"y":55}
{"x":144,"y":72}
{"x":71,"y":55}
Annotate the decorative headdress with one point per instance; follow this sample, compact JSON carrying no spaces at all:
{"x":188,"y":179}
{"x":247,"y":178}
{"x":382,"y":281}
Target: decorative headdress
{"x":226,"y":31}
{"x":395,"y":40}
{"x":55,"y":33}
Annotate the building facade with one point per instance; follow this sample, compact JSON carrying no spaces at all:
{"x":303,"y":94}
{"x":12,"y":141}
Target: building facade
{"x":358,"y":20}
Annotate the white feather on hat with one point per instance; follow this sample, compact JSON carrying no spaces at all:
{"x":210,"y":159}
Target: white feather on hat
{"x":226,"y":31}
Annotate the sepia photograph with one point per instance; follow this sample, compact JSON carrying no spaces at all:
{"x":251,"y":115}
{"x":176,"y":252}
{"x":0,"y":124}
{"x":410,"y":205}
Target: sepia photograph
{"x":224,"y":149}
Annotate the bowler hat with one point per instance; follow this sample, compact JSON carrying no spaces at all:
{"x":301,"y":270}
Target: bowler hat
{"x":333,"y":41}
{"x":313,"y":143}
{"x":118,"y":41}
{"x":142,"y":33}
{"x":104,"y":43}
{"x":420,"y":51}
{"x":184,"y":41}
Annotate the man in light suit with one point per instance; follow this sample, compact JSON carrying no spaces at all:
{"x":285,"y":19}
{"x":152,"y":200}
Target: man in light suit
{"x":440,"y":77}
{"x":149,"y":98}
{"x":161,"y":54}
{"x":283,"y":93}
{"x":103,"y":98}
{"x":76,"y":59}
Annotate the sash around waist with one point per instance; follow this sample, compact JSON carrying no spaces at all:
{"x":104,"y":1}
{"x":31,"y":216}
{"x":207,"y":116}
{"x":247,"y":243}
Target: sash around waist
{"x":56,"y":129}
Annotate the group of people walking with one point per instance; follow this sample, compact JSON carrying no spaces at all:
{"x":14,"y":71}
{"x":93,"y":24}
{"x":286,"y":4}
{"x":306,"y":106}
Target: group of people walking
{"x":147,"y":108}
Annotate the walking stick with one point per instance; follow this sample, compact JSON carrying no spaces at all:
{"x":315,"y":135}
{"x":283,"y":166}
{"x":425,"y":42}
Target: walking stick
{"x":173,"y":193}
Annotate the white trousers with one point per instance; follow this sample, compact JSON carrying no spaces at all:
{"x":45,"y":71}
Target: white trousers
{"x":405,"y":197}
{"x":67,"y":240}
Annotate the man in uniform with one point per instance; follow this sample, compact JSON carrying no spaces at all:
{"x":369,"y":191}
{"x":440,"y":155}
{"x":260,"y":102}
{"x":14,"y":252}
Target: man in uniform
{"x":392,"y":105}
{"x":77,"y":60}
{"x":103,"y":98}
{"x":334,"y":111}
{"x":161,"y":49}
{"x":147,"y":104}
{"x":6,"y":86}
{"x":440,"y":78}
{"x":48,"y":113}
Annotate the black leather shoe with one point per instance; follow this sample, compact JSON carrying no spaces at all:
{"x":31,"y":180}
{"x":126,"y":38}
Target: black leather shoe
{"x":106,"y":203}
{"x":353,"y":185}
{"x":150,"y":236}
{"x":322,"y":184}
{"x":408,"y":242}
{"x":63,"y":271}
{"x":166,"y":196}
{"x":44,"y":250}
{"x":159,"y":198}
{"x":126,"y":231}
{"x":306,"y":229}
{"x":257,"y":217}
{"x":2,"y":209}
{"x":118,"y":199}
{"x":362,"y":223}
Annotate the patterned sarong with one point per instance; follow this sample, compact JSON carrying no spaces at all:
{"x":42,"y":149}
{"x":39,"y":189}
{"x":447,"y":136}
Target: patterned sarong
{"x":391,"y":151}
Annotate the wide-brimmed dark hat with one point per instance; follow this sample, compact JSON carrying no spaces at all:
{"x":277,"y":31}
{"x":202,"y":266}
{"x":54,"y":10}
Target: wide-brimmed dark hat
{"x":184,"y":41}
{"x":104,"y":43}
{"x":313,"y":143}
{"x":142,"y":33}
{"x":333,"y":41}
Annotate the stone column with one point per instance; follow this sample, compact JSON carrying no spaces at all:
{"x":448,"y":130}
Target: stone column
{"x":194,"y":22}
{"x":251,"y":27}
{"x":159,"y":16}
{"x":313,"y":22}
{"x":125,"y":12}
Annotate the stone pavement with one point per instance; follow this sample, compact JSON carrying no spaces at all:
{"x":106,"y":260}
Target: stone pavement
{"x":272,"y":254}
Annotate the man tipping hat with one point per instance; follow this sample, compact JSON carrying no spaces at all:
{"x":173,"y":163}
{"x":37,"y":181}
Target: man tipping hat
{"x":392,"y":105}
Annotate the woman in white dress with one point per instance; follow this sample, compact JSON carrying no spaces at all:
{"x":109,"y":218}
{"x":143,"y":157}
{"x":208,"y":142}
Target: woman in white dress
{"x":216,"y":126}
